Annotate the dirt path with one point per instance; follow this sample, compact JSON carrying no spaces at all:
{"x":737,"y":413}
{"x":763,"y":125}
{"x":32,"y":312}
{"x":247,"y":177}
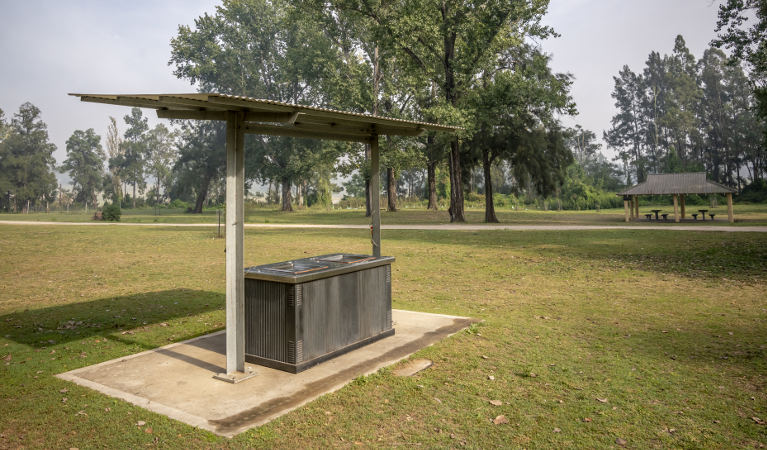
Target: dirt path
{"x":440,"y":227}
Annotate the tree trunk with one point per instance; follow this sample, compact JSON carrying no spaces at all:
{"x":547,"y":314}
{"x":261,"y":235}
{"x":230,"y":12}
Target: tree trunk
{"x":456,"y":185}
{"x":134,"y":195}
{"x":157,"y":190}
{"x":391,"y":189}
{"x":489,"y":206}
{"x":376,"y":85}
{"x":117,"y":184}
{"x":299,"y":195}
{"x":286,"y":197}
{"x":201,"y":195}
{"x":431,"y":175}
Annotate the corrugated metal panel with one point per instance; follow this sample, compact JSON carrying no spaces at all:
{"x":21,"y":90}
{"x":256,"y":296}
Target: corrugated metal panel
{"x":224,"y":102}
{"x":677,"y":183}
{"x":266,"y":308}
{"x":294,"y":324}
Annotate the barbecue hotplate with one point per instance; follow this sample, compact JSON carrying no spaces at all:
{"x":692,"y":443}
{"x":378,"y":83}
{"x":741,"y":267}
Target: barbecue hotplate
{"x":297,"y":267}
{"x":316,"y":267}
{"x":345,"y":258}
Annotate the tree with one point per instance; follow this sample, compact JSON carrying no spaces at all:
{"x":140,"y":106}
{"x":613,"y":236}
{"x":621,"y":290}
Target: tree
{"x":201,"y":161}
{"x":684,"y":114}
{"x":133,"y":152}
{"x":583,"y":143}
{"x":4,"y":128}
{"x":625,"y":134}
{"x":742,"y":28}
{"x":114,"y":151}
{"x":593,"y":168}
{"x":451,"y":43}
{"x":26,"y":160}
{"x":85,"y":164}
{"x":515,"y":110}
{"x":161,"y":152}
{"x":263,"y":49}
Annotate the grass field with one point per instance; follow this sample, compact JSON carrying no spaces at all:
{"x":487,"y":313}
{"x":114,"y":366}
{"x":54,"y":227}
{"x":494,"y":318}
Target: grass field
{"x":593,"y":338}
{"x":747,"y":214}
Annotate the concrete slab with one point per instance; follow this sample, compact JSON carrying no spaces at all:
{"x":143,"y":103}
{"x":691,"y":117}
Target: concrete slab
{"x":177,"y":380}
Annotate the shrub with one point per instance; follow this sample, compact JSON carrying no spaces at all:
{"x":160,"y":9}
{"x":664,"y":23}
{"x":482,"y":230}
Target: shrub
{"x":179,"y":204}
{"x":111,"y":212}
{"x":755,"y":192}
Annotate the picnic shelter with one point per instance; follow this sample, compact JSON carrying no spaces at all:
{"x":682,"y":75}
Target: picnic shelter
{"x":245,"y":115}
{"x":678,"y":185}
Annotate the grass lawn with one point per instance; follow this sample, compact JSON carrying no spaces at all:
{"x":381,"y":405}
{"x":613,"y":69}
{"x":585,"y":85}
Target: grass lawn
{"x":655,"y":338}
{"x":747,"y":214}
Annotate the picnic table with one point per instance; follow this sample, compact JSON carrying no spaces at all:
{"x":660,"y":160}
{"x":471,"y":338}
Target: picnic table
{"x":656,"y":211}
{"x":703,"y":213}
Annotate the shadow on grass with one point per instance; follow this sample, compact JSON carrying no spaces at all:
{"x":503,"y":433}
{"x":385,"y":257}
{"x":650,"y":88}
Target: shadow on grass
{"x":712,"y":255}
{"x":75,"y":321}
{"x":708,"y":344}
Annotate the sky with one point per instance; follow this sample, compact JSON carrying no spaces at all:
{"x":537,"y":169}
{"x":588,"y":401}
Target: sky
{"x":49,"y":48}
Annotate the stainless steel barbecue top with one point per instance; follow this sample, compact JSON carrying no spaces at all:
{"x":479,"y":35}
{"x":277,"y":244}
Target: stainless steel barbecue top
{"x":316,"y":267}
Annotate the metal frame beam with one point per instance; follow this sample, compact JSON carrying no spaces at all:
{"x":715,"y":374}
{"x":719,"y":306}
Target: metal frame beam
{"x":279,"y":117}
{"x":375,"y":196}
{"x":290,"y":131}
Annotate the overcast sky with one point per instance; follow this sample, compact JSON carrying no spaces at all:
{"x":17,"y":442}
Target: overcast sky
{"x":51,"y":48}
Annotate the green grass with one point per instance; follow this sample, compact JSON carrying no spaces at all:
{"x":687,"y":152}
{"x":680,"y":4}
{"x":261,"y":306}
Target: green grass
{"x":746,"y":214}
{"x":667,"y":328}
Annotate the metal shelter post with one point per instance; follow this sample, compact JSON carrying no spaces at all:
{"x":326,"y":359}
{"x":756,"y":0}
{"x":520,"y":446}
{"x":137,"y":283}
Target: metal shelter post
{"x":235,"y":279}
{"x":375,"y":183}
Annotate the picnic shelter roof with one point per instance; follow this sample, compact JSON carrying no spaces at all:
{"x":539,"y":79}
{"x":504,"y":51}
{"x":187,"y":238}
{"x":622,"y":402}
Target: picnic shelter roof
{"x":271,"y":117}
{"x":677,"y":183}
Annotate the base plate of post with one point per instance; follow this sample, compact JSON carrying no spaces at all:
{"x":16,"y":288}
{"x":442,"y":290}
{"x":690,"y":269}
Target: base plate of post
{"x":236,"y":377}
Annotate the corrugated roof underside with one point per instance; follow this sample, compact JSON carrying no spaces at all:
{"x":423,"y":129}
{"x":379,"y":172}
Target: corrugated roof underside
{"x":677,"y":183}
{"x":225,"y":102}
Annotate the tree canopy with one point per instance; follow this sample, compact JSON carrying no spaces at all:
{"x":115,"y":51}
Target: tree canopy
{"x":85,"y":164}
{"x":26,"y":160}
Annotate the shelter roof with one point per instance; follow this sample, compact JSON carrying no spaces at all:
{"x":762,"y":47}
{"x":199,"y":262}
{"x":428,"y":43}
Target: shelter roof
{"x":677,"y":183}
{"x":271,"y":117}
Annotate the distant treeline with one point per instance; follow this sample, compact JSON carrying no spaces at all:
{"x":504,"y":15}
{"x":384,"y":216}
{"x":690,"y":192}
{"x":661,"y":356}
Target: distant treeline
{"x":459,"y":64}
{"x":681,"y":114}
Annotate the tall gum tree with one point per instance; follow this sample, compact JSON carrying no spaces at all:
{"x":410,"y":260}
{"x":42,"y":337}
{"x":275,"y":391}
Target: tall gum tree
{"x":85,"y":164}
{"x":26,"y":160}
{"x":742,"y":28}
{"x":515,"y":116}
{"x":262,"y":49}
{"x":451,"y":42}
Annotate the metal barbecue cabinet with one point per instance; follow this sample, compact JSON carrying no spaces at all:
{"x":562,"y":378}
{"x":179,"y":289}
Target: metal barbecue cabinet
{"x":302,"y":312}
